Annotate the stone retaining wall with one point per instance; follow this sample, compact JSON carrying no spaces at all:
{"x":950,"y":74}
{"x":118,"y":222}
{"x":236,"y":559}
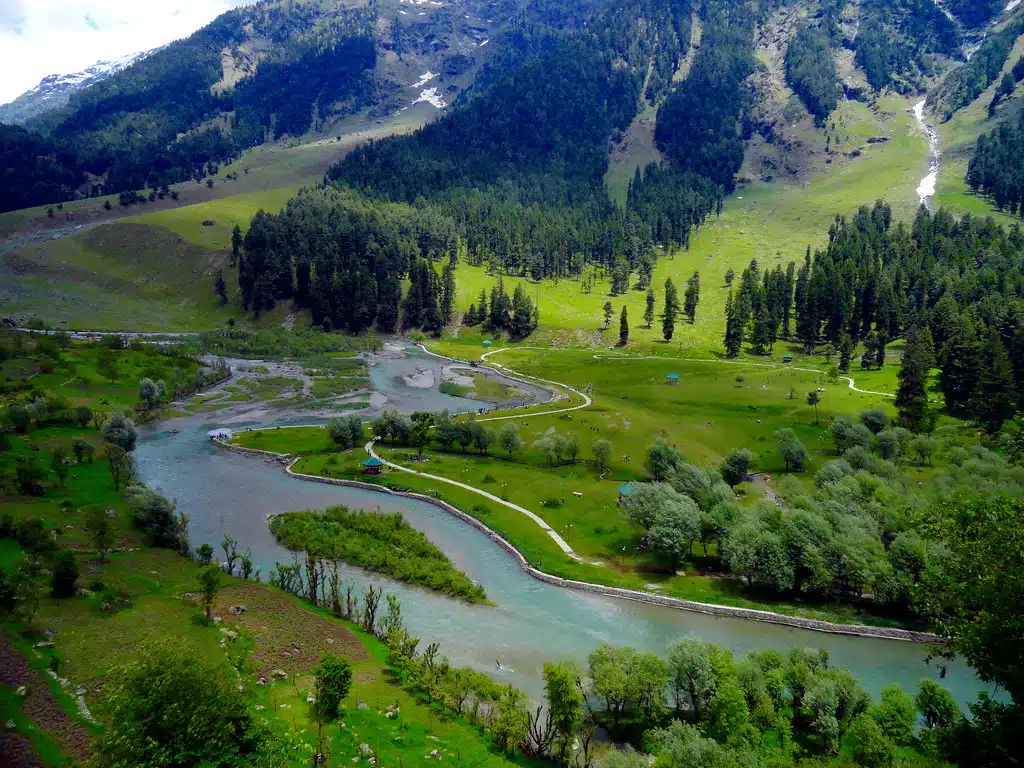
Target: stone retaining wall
{"x":886,"y":633}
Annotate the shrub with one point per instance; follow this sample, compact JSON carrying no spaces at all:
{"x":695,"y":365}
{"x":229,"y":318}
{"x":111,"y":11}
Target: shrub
{"x":65,"y":574}
{"x":120,"y":431}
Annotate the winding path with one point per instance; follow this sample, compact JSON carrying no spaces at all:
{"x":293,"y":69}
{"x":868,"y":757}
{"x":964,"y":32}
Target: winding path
{"x":522,"y":510}
{"x":848,"y":379}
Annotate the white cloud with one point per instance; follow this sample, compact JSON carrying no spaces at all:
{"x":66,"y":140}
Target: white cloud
{"x":45,"y":37}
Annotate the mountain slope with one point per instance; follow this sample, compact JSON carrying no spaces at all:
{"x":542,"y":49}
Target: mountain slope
{"x":54,"y":91}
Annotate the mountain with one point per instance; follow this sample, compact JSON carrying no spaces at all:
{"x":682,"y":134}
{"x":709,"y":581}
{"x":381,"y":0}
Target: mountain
{"x":539,"y":88}
{"x":55,"y":91}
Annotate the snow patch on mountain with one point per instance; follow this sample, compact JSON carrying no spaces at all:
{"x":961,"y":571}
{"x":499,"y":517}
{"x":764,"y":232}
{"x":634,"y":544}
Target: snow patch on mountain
{"x":431,"y":96}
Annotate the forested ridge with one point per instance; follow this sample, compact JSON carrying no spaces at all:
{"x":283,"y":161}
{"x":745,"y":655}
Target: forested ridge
{"x":997,"y":167}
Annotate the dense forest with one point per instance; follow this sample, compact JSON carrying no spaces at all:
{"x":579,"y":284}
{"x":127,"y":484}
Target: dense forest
{"x":532,"y":202}
{"x":34,"y":171}
{"x":997,"y":167}
{"x":158,"y":122}
{"x":965,"y":84}
{"x":959,"y":280}
{"x":345,"y":258}
{"x":812,"y":73}
{"x":896,"y":35}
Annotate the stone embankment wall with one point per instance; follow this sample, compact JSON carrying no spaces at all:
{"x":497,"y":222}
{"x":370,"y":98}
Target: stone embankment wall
{"x":886,"y":633}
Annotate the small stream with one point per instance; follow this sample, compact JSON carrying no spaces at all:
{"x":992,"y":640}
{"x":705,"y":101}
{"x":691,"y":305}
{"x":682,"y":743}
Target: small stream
{"x":532,"y":622}
{"x":926,"y":189}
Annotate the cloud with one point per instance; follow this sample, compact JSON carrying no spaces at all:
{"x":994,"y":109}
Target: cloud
{"x":44,"y":37}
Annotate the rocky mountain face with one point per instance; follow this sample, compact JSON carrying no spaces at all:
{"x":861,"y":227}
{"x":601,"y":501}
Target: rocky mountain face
{"x":55,"y":91}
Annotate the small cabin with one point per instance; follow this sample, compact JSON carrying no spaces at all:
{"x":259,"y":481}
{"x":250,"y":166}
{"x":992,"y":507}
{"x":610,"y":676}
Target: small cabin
{"x":787,"y":358}
{"x":672,"y":379}
{"x":625,"y":491}
{"x":487,"y":342}
{"x":373,"y":466}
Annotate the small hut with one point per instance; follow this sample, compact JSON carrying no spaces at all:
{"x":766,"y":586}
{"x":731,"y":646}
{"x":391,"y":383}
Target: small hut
{"x":625,"y":491}
{"x":487,"y":342}
{"x":373,"y":466}
{"x":787,"y":358}
{"x":672,"y":379}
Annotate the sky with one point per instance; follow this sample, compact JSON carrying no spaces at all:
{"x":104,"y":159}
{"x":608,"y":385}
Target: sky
{"x":46,"y":37}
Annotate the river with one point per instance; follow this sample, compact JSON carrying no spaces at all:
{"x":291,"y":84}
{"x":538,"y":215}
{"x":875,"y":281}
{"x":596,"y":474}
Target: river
{"x":926,"y":189}
{"x":532,"y":622}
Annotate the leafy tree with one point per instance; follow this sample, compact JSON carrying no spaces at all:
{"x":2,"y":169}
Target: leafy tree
{"x":673,"y":531}
{"x":607,"y":310}
{"x":333,"y":678}
{"x":59,"y":462}
{"x":156,"y":516}
{"x":813,"y":398}
{"x":82,"y":416}
{"x":692,"y":676}
{"x":736,"y":466}
{"x":509,"y":439}
{"x":169,"y":707}
{"x":100,"y":531}
{"x":119,"y":431}
{"x":209,"y":586}
{"x":794,"y":454}
{"x":150,"y":394}
{"x":869,"y":746}
{"x":876,"y":419}
{"x":65,"y":574}
{"x":122,"y":470}
{"x":662,"y":459}
{"x":623,"y":327}
{"x":205,"y":553}
{"x":895,"y":714}
{"x":565,"y":703}
{"x":936,"y":705}
{"x":602,"y":450}
{"x":82,"y":448}
{"x":974,"y":599}
{"x":846,"y":434}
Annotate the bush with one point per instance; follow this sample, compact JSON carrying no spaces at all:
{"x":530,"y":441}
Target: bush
{"x":145,"y":723}
{"x":155,"y":514}
{"x":333,"y":681}
{"x":33,"y":535}
{"x":876,"y":419}
{"x":65,"y":574}
{"x":82,"y":416}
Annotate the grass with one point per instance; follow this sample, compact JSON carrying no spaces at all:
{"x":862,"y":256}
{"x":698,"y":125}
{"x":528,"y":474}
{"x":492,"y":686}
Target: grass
{"x":958,"y":138}
{"x":774,"y":223}
{"x":705,"y":416}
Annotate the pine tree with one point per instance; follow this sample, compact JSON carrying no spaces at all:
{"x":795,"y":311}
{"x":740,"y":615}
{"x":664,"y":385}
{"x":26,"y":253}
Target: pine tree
{"x":961,"y":360}
{"x":692,"y":298}
{"x":996,"y":399}
{"x":220,"y":287}
{"x":522,"y":312}
{"x":481,"y":308}
{"x":623,"y":327}
{"x":911,"y":394}
{"x":734,"y":324}
{"x":845,"y":352}
{"x":448,"y":291}
{"x":236,"y":245}
{"x":761,"y":338}
{"x":668,"y":317}
{"x":649,"y":310}
{"x":470,"y":317}
{"x":881,"y":339}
